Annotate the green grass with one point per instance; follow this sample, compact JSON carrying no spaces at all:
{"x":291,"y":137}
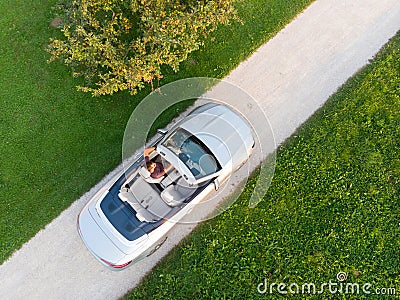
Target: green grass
{"x":56,"y":142}
{"x":333,"y":206}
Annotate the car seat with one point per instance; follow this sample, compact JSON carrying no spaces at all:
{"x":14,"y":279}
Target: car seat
{"x":176,"y":194}
{"x":147,"y":176}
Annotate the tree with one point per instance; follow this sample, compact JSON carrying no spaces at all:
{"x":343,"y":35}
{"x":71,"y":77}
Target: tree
{"x":122,"y":44}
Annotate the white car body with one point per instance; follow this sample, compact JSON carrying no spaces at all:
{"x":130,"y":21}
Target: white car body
{"x":129,"y":217}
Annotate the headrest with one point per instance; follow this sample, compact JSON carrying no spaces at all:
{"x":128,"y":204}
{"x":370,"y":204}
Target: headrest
{"x":144,"y":173}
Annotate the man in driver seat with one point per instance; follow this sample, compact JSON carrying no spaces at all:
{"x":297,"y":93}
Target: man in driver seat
{"x":156,"y":169}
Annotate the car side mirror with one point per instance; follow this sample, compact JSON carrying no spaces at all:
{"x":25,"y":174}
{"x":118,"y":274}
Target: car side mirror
{"x":216,"y":184}
{"x":162,"y":131}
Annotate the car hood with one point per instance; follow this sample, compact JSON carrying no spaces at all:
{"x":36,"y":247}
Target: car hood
{"x":223,"y":131}
{"x":96,"y":239}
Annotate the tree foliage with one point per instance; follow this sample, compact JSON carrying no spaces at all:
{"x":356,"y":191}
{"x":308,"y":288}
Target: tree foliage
{"x":122,"y":44}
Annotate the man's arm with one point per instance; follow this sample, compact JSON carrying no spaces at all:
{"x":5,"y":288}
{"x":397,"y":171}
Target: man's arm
{"x":147,"y":151}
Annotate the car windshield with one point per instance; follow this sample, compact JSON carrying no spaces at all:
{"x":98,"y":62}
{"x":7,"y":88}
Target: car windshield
{"x":193,"y":153}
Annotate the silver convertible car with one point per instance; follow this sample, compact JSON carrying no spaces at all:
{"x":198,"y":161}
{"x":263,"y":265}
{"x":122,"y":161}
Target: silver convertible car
{"x":129,"y":218}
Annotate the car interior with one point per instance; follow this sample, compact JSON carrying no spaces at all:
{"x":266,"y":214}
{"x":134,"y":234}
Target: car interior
{"x":154,"y":198}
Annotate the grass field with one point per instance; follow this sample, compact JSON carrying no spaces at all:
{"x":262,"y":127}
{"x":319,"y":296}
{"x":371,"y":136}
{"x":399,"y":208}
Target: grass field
{"x":333,"y":206}
{"x":56,"y":142}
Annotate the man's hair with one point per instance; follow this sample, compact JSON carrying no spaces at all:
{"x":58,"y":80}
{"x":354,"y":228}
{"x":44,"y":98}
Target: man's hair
{"x":148,"y":164}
